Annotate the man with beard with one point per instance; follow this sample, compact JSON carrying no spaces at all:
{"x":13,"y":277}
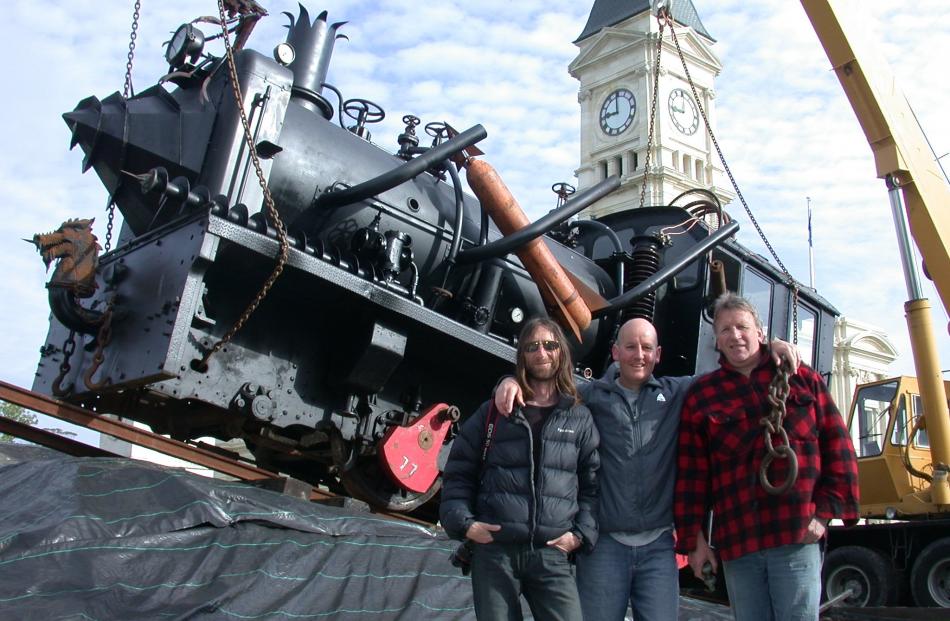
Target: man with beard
{"x":523,"y":488}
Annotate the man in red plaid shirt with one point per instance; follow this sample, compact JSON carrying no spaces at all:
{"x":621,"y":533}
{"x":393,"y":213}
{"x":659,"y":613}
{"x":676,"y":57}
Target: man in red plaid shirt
{"x":768,"y":543}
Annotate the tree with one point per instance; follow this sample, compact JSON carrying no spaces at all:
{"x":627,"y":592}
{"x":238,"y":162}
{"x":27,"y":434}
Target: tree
{"x":21,"y":415}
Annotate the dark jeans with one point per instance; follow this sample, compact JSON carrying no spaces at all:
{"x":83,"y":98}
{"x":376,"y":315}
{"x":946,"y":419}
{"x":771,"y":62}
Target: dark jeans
{"x":502,"y":572}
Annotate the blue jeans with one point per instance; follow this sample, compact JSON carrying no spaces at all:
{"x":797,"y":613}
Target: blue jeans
{"x":501,"y":572}
{"x":613,"y":574}
{"x":777,"y":584}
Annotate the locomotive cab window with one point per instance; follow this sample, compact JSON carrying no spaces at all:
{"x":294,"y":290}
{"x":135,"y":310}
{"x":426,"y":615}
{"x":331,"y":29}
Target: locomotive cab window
{"x":758,"y":290}
{"x":807,"y":333}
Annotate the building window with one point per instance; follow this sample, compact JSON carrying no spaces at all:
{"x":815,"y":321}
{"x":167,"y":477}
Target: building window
{"x":636,"y":161}
{"x":619,"y":162}
{"x":603,"y":170}
{"x":687,"y":161}
{"x":676,"y":160}
{"x":699,"y":171}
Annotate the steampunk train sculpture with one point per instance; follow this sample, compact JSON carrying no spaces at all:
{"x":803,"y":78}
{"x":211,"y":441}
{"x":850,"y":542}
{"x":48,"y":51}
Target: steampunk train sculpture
{"x":399,"y":299}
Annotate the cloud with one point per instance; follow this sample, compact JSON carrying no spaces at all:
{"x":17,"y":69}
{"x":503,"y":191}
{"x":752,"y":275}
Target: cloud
{"x":784,"y":124}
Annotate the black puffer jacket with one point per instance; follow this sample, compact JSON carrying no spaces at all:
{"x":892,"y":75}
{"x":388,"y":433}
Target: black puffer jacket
{"x":502,"y":490}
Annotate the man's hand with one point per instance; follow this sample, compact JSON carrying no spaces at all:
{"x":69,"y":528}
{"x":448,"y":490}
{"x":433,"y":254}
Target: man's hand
{"x":815,"y":531}
{"x":701,"y":555}
{"x":507,"y":395}
{"x":566,"y":543}
{"x":480,"y":532}
{"x":782,"y":349}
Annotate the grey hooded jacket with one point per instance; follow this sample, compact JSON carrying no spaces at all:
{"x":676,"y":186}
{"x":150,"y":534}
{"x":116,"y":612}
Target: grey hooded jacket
{"x":637,"y":450}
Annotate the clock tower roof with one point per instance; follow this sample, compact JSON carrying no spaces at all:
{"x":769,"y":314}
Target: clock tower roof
{"x":606,"y":13}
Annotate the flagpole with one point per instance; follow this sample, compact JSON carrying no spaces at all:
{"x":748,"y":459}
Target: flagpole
{"x":811,"y":249}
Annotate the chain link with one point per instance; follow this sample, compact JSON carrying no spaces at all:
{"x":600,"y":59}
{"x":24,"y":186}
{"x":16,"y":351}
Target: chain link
{"x":790,"y":281}
{"x":772,"y":425}
{"x":779,"y":387}
{"x":69,"y":347}
{"x":127,"y":91}
{"x":103,"y":339}
{"x":656,"y":95}
{"x":268,"y":201}
{"x":110,"y":221}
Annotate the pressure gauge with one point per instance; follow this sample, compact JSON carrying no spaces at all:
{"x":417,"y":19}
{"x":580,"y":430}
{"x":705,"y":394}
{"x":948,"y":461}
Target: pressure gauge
{"x":516,"y":315}
{"x":284,"y":53}
{"x":186,"y":43}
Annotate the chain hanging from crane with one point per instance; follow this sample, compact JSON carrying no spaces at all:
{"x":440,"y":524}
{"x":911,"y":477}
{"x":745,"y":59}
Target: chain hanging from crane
{"x":127,"y":91}
{"x":272,"y":214}
{"x":779,"y":387}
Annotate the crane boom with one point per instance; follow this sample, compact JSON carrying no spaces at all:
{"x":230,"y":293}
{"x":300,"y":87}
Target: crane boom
{"x":903,"y":158}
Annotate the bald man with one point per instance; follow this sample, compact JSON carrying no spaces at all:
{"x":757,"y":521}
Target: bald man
{"x":637,"y":416}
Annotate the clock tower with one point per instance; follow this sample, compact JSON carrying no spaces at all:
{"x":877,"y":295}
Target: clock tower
{"x":615,"y":67}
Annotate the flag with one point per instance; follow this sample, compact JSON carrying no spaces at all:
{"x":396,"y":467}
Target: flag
{"x":809,"y":223}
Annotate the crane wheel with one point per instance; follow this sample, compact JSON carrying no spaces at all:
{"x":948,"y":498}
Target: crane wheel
{"x":868,"y":573}
{"x":930,"y":577}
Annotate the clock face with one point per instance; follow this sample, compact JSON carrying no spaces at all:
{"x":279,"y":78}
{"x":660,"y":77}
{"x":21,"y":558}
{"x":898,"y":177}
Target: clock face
{"x":617,"y":112}
{"x":683,"y":112}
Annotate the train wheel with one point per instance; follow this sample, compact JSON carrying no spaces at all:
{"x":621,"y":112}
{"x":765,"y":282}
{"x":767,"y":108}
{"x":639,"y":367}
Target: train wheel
{"x":930,"y":577}
{"x":866,"y":572}
{"x":366,"y":481}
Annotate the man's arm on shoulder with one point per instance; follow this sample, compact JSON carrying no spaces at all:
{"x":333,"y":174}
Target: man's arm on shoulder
{"x":784,"y":351}
{"x":507,"y":395}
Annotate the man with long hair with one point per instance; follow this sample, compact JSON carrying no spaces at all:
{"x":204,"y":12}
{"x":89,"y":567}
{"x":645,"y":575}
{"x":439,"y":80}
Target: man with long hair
{"x":523,"y":488}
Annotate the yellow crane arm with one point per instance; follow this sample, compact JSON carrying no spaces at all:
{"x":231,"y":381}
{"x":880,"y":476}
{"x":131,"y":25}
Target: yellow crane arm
{"x":902,"y":157}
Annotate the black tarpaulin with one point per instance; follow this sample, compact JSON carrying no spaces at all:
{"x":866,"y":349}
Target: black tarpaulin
{"x":100,"y":538}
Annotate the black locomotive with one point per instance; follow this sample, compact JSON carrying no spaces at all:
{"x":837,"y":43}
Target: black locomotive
{"x":398,"y":300}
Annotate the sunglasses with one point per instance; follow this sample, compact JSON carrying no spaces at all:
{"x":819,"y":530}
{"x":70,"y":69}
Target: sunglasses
{"x":534,"y":346}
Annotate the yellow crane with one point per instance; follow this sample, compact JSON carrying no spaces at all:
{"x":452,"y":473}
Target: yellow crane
{"x":901,"y":426}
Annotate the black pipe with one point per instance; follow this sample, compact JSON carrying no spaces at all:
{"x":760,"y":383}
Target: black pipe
{"x":667,"y":273}
{"x":600,"y":227}
{"x":459,"y":212}
{"x":390,"y":179}
{"x":507,"y":244}
{"x":70,"y":313}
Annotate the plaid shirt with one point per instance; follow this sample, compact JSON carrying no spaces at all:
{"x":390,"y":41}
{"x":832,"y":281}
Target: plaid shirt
{"x":721,"y":446}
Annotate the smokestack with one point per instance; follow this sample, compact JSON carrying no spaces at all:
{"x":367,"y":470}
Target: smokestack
{"x":313,"y":46}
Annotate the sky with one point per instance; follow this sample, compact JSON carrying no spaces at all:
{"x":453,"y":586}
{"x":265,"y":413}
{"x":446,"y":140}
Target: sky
{"x":785,"y":126}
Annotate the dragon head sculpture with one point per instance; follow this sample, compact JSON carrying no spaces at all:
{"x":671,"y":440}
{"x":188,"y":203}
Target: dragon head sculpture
{"x":77,"y":250}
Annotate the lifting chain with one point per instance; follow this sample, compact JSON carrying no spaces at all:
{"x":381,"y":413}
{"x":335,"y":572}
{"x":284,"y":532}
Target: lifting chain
{"x":69,"y":347}
{"x":772,"y":424}
{"x":103,"y":339}
{"x":661,"y":18}
{"x":126,"y":93}
{"x":272,"y":214}
{"x":779,"y":387}
{"x":110,"y":220}
{"x":664,"y":17}
{"x":127,"y":90}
